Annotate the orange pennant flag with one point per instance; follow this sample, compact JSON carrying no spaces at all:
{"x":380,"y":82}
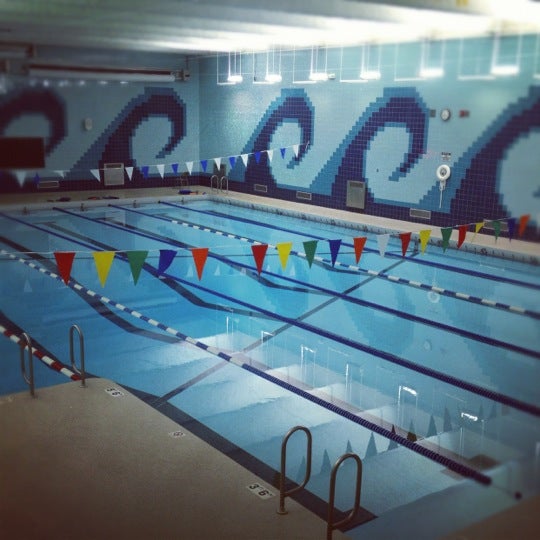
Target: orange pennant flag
{"x":199,"y":256}
{"x":64,"y":261}
{"x":424,"y":237}
{"x":103,"y":260}
{"x":405,"y":239}
{"x":523,"y":220}
{"x":259,"y":253}
{"x":462,"y":234}
{"x":359,"y":243}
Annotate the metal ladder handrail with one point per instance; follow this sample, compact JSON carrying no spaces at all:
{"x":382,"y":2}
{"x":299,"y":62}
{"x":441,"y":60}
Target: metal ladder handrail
{"x":24,"y":343}
{"x":81,"y":372}
{"x":330,"y":522}
{"x":212,"y":182}
{"x":226,"y":183}
{"x":282,"y":493}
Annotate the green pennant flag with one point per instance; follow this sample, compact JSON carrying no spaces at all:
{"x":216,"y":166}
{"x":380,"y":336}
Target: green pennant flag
{"x":310,"y":246}
{"x":496,"y":228}
{"x":446,"y":234}
{"x":136,"y":260}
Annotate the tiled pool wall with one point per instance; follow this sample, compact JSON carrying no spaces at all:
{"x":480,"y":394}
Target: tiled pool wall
{"x":302,"y":141}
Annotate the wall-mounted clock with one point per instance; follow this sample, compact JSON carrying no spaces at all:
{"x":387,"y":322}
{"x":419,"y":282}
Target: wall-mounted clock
{"x":445,"y":114}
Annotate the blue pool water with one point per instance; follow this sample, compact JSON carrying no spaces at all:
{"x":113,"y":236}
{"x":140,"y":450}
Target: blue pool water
{"x":424,"y":365}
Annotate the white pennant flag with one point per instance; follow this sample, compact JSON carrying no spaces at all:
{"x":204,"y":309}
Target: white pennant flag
{"x":161,"y":169}
{"x":60,"y":173}
{"x":295,"y":149}
{"x":382,"y":240}
{"x":129,"y":171}
{"x":189,"y":165}
{"x":21,"y":175}
{"x":270,"y":154}
{"x":245,"y":158}
{"x":217,"y":161}
{"x":95,"y":172}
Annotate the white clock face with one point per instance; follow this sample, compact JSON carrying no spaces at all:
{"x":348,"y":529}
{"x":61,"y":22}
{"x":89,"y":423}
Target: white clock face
{"x":445,"y":114}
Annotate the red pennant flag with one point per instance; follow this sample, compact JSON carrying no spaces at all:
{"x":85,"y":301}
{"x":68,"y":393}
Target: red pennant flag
{"x":405,"y":239}
{"x":523,"y":223}
{"x":462,"y":234}
{"x":199,"y":256}
{"x":359,"y":243}
{"x":64,"y":261}
{"x":259,"y":253}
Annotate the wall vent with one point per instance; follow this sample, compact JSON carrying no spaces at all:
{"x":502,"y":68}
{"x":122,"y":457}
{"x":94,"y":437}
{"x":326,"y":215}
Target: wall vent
{"x":488,"y":225}
{"x":48,"y":184}
{"x":356,"y":194}
{"x":419,"y":214}
{"x":303,"y":195}
{"x":113,"y":174}
{"x":260,"y":188}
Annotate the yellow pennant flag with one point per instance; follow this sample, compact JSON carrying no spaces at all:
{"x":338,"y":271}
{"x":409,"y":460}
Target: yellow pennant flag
{"x":424,"y":237}
{"x":103,"y":260}
{"x":284,"y":250}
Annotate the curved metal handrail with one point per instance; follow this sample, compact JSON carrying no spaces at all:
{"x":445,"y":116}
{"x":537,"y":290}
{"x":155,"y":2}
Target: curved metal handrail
{"x":24,"y":343}
{"x":330,"y":522}
{"x":222,"y":179}
{"x":74,"y":328}
{"x":282,"y":493}
{"x":212,"y":182}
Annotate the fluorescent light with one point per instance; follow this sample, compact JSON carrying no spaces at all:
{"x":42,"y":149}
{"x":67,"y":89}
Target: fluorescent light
{"x":100,"y":74}
{"x":431,"y":73}
{"x":318,"y":76}
{"x":409,"y":390}
{"x":469,"y":416}
{"x":235,"y":78}
{"x":504,"y":69}
{"x":370,"y":74}
{"x":273,"y":78}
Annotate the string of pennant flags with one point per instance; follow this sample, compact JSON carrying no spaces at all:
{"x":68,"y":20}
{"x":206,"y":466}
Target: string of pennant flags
{"x":174,"y":167}
{"x":136,"y":258}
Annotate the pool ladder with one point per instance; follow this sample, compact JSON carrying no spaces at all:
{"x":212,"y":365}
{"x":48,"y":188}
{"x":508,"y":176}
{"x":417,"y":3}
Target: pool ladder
{"x":219,"y":182}
{"x":331,"y":525}
{"x":26,"y":344}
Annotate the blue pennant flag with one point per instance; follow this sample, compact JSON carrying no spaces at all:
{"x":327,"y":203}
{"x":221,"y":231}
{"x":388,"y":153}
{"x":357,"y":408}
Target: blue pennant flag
{"x":232,"y":161}
{"x":145,"y":170}
{"x":257,"y":157}
{"x":283,"y":150}
{"x":204,"y":163}
{"x":175,"y":168}
{"x":166,"y":257}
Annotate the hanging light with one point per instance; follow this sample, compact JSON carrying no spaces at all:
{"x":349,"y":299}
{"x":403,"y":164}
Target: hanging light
{"x":235,"y":68}
{"x":273,"y":66}
{"x":314,"y":74}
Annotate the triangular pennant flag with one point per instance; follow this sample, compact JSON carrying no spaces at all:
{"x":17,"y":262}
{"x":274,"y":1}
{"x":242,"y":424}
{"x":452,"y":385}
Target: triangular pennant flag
{"x":511,"y":223}
{"x":103,"y":260}
{"x":371,"y":449}
{"x":334,"y":249}
{"x":129,"y":171}
{"x":257,"y":157}
{"x":245,"y":158}
{"x":405,"y":239}
{"x":21,"y":176}
{"x":349,"y":448}
{"x":295,"y":149}
{"x":424,"y":237}
{"x":232,"y":161}
{"x":382,"y":241}
{"x":136,"y":260}
{"x":284,"y":250}
{"x":64,"y":261}
{"x":217,"y":161}
{"x":144,"y":170}
{"x":36,"y":179}
{"x":27,"y":288}
{"x":392,"y":444}
{"x":174,"y":167}
{"x":283,"y":150}
{"x":477,"y":227}
{"x":447,"y":422}
{"x":310,"y":246}
{"x":161,"y":169}
{"x":60,"y":173}
{"x":166,"y":257}
{"x":359,"y":243}
{"x":523,"y":220}
{"x":95,"y":172}
{"x":432,"y":428}
{"x":462,"y":234}
{"x":326,"y":466}
{"x":270,"y":154}
{"x":496,"y":228}
{"x":189,"y":166}
{"x":199,"y":257}
{"x":259,"y":253}
{"x":446,"y":233}
{"x":204,"y":164}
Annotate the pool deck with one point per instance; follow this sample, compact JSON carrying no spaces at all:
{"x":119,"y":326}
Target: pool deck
{"x":87,"y":463}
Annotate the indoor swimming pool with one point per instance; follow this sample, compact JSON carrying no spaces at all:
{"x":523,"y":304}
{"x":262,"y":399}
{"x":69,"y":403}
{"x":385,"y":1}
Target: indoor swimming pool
{"x":251,"y":322}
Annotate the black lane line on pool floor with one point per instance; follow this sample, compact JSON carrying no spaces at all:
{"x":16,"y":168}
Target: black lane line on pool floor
{"x":392,"y":358}
{"x":486,"y":340}
{"x":341,"y":266}
{"x":421,"y":262}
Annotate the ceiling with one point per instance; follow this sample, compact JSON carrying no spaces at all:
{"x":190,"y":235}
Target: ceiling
{"x":111,"y":31}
